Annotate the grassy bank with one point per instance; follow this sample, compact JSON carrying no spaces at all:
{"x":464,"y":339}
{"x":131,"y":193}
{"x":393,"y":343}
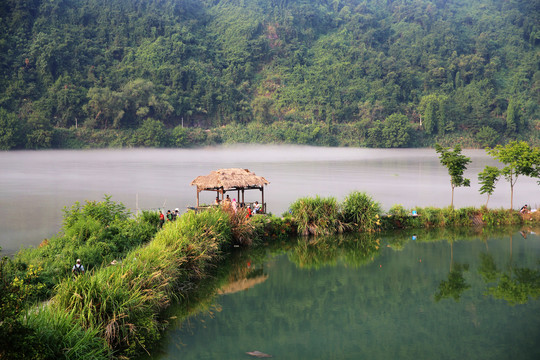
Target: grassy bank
{"x":115,"y":310}
{"x":359,"y":212}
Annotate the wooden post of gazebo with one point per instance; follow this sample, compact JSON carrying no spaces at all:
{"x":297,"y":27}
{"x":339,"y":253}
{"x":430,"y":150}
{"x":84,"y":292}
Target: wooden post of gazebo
{"x":263,"y":204}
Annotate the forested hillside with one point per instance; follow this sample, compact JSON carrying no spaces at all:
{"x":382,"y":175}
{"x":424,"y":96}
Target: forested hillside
{"x":381,"y":73}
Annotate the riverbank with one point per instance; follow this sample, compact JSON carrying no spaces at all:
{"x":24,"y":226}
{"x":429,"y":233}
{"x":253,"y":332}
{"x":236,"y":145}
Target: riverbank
{"x":354,"y":134}
{"x":114,"y":310}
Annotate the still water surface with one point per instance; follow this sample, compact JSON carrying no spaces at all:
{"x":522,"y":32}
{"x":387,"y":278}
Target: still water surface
{"x":341,"y":302}
{"x":36,"y":185}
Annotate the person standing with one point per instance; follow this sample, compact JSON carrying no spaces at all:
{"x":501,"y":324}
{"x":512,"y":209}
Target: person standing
{"x":78,"y":268}
{"x":169,"y":215}
{"x":161,"y":219}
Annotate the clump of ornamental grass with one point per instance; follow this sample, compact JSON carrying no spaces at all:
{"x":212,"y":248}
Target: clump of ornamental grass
{"x":362,"y":211}
{"x":316,"y":216}
{"x":59,"y":337}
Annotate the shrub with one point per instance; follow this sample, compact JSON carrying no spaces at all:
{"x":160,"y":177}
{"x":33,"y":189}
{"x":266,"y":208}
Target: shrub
{"x":360,"y":209}
{"x":179,"y":136}
{"x":151,"y":134}
{"x":487,"y":136}
{"x":11,"y":131}
{"x":97,"y":233}
{"x":269,"y":227}
{"x":431,"y":217}
{"x":398,"y":210}
{"x":316,"y":216}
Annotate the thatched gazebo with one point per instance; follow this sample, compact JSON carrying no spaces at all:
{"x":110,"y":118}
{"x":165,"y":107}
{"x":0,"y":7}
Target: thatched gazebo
{"x":224,"y":180}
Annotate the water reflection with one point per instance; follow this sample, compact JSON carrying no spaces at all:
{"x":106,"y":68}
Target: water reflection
{"x":353,"y":250}
{"x":333,"y":297}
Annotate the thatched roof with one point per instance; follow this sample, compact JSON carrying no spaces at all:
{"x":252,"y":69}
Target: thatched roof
{"x":228,"y":179}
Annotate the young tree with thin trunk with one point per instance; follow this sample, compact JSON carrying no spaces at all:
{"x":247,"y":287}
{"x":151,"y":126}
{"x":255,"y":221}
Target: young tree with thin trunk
{"x":488,"y":179}
{"x":456,"y":163}
{"x":520,"y":159}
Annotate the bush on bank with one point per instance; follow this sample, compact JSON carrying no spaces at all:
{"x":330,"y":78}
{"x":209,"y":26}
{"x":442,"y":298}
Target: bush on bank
{"x":98,"y":232}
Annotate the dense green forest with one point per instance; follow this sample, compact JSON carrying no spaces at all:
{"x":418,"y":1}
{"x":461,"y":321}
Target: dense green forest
{"x":380,"y":73}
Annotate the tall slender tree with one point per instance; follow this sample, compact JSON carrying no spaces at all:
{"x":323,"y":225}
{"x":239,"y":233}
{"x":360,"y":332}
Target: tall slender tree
{"x":488,"y":179}
{"x":520,"y":159}
{"x":456,"y":163}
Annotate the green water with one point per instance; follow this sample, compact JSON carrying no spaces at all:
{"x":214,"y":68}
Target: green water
{"x":349,"y":298}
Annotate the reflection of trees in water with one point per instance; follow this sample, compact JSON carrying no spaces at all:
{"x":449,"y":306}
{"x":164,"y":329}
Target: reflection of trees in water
{"x":515,"y":285}
{"x":353,"y":250}
{"x":455,"y":285}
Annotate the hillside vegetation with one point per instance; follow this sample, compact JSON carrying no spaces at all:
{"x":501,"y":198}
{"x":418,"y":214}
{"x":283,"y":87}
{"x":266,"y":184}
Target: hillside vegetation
{"x":380,"y":73}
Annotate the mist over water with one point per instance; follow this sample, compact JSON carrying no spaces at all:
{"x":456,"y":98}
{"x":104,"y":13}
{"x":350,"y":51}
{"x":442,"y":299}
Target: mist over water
{"x":36,"y":185}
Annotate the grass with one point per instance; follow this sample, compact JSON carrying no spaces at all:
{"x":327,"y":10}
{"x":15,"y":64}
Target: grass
{"x":316,"y":216}
{"x":362,"y":211}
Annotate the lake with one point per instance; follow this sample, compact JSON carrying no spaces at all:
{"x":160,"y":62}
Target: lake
{"x":36,"y":185}
{"x":442,"y":296}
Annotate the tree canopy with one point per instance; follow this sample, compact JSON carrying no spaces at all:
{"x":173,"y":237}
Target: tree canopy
{"x":456,"y":163}
{"x":519,"y":158}
{"x":432,"y":68}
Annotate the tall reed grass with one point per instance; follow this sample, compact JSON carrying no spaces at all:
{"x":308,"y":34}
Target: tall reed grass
{"x":316,"y":216}
{"x":361,"y":211}
{"x":59,"y":337}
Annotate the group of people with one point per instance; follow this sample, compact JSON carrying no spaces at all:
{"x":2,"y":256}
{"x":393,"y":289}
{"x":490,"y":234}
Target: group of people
{"x":171,"y":216}
{"x":250,"y":211}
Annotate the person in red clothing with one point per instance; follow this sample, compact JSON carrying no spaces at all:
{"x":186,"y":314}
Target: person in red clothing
{"x":161,"y":219}
{"x":248,"y":212}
